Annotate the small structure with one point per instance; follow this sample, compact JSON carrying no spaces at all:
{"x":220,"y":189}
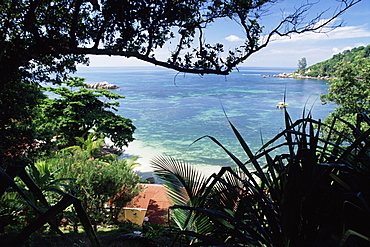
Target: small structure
{"x":102,"y":85}
{"x":152,"y":202}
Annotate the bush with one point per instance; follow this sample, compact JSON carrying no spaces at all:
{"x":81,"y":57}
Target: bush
{"x":96,"y":181}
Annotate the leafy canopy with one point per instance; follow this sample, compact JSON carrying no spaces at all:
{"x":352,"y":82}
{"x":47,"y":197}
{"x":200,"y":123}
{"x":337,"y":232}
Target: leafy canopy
{"x":329,"y":67}
{"x":54,"y":33}
{"x":350,"y":91}
{"x":302,"y":63}
{"x":73,"y":113}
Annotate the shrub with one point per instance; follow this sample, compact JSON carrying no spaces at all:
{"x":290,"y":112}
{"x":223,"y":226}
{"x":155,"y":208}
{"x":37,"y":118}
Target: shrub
{"x":95,"y":181}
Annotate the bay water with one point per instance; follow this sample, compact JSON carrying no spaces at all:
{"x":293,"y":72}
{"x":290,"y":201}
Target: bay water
{"x":171,"y":110}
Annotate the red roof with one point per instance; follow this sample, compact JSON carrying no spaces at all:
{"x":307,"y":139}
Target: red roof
{"x":154,"y":199}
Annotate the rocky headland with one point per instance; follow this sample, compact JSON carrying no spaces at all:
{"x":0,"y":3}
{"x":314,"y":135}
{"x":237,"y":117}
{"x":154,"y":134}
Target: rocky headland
{"x":298,"y":76}
{"x":102,"y":85}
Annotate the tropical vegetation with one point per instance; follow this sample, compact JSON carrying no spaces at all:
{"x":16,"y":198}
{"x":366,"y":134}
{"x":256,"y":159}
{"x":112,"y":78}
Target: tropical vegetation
{"x":74,"y":112}
{"x":350,"y":92}
{"x":82,"y":172}
{"x":95,"y":178}
{"x":43,"y":41}
{"x":331,"y":66}
{"x":298,"y":189}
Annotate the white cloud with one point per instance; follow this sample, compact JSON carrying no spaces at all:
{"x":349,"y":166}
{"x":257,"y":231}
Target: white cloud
{"x":288,"y":51}
{"x":349,"y":32}
{"x":338,"y":33}
{"x":337,"y":50}
{"x":233,"y":38}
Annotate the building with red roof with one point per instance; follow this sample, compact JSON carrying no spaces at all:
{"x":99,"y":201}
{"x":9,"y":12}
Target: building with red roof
{"x":151,"y":202}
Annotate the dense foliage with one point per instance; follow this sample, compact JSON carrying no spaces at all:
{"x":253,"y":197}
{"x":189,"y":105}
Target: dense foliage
{"x":42,"y":41}
{"x":70,"y":113}
{"x":349,"y":89}
{"x":96,"y":181}
{"x":330,"y":67}
{"x":80,"y":172}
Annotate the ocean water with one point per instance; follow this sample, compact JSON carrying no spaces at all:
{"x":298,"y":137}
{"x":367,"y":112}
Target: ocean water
{"x":171,"y":110}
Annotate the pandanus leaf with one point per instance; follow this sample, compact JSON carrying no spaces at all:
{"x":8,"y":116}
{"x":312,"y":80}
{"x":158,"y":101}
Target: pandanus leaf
{"x":66,"y":201}
{"x":46,"y":217}
{"x":299,"y":189}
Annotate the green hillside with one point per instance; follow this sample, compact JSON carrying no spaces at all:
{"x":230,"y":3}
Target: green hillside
{"x":329,"y":67}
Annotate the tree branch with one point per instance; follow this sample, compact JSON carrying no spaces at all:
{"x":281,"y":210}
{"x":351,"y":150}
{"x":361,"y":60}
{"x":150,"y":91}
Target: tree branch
{"x":293,"y":19}
{"x":109,"y":52}
{"x":313,"y":25}
{"x":110,"y":30}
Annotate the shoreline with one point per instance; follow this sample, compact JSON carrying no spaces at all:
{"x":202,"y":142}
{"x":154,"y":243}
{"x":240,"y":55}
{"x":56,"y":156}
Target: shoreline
{"x":146,"y":153}
{"x":298,"y":76}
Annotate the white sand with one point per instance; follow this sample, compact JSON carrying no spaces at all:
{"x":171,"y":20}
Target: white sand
{"x":146,"y":153}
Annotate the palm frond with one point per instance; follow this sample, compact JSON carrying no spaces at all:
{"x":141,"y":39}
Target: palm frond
{"x":182,"y":179}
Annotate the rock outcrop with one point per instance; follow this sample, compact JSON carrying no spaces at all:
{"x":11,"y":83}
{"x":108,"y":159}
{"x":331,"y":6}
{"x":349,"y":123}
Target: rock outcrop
{"x":298,"y":76}
{"x":101,"y":85}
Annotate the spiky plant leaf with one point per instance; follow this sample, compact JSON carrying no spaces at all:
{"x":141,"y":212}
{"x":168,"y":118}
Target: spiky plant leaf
{"x":184,"y":184}
{"x":288,"y":199}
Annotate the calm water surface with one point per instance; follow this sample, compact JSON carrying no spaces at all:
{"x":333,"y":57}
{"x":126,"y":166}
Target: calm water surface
{"x":171,"y":110}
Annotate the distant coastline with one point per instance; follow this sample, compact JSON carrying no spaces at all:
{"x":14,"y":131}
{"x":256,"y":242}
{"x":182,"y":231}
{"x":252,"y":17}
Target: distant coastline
{"x":298,"y":76}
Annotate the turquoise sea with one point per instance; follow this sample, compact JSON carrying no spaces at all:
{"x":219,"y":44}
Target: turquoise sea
{"x":171,"y":110}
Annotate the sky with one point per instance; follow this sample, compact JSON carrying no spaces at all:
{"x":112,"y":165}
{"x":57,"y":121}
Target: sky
{"x":285,"y":52}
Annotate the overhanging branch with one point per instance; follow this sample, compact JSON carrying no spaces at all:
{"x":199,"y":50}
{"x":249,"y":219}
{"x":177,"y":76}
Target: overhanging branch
{"x":152,"y":60}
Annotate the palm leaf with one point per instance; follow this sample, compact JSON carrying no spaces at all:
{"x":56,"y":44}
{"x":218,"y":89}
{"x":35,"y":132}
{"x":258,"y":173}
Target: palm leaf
{"x":240,"y":164}
{"x":184,"y":185}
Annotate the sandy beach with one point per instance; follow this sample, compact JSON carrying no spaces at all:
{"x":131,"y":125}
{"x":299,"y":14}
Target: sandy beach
{"x":146,"y":153}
